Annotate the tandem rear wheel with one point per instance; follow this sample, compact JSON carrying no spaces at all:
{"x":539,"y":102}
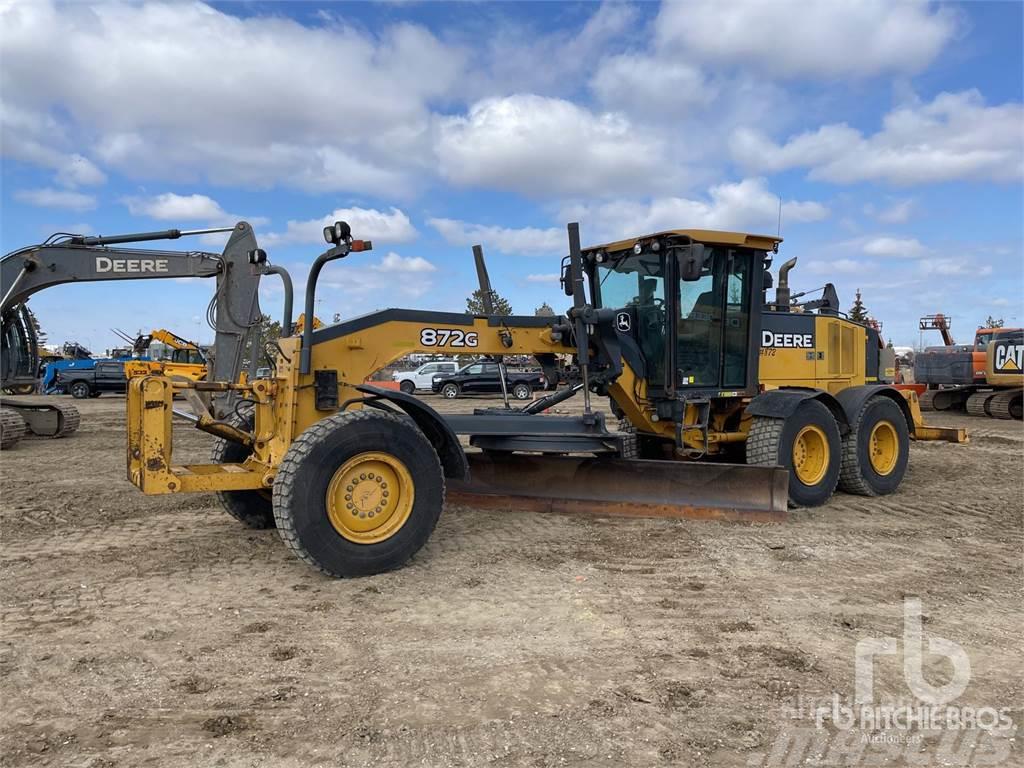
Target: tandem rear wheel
{"x":358,"y":493}
{"x":807,"y":443}
{"x":876,"y":449}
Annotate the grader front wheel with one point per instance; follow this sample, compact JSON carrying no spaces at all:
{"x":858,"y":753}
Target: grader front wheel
{"x":358,"y":493}
{"x":807,"y":443}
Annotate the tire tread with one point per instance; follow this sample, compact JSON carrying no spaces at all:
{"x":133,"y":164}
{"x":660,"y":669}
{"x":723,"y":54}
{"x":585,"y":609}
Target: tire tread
{"x":301,"y":447}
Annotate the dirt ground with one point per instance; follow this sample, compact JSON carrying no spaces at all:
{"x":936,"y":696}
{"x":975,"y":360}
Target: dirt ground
{"x":155,"y":631}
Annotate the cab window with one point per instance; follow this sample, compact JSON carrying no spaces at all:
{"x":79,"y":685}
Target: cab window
{"x":638,"y":281}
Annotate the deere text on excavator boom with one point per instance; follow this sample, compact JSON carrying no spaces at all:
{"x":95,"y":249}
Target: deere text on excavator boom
{"x":65,"y":258}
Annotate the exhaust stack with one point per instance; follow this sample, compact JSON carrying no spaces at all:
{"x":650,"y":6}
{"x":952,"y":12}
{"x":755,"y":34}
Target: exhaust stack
{"x":782,"y":293}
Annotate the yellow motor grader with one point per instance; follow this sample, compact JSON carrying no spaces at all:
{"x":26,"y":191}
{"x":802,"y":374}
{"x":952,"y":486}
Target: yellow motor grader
{"x":728,"y":405}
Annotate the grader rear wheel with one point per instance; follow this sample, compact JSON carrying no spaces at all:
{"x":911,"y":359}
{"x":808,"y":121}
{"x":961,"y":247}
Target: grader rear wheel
{"x":876,"y":449}
{"x":358,"y":493}
{"x":807,"y":443}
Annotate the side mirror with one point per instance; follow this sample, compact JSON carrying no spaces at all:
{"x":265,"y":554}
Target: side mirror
{"x":566,"y":278}
{"x":691,"y":261}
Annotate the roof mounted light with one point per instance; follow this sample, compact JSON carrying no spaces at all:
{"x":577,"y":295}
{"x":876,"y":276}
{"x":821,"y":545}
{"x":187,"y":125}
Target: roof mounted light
{"x":638,"y":249}
{"x":338,"y":233}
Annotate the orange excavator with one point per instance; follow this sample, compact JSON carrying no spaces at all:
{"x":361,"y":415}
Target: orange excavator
{"x":953,"y":372}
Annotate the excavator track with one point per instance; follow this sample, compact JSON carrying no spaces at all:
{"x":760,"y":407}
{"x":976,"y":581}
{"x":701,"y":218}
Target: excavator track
{"x":927,"y":399}
{"x":977,"y":404}
{"x":44,"y":419}
{"x":12,"y":428}
{"x":1008,"y":404}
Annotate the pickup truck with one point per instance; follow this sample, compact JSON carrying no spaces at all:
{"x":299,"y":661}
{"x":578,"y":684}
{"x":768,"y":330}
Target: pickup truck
{"x":103,"y":377}
{"x":421,"y":378}
{"x":483,"y":378}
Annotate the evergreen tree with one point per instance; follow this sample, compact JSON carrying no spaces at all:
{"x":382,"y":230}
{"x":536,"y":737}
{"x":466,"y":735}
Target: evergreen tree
{"x":475,"y":304}
{"x":270,"y":331}
{"x":858,"y":312}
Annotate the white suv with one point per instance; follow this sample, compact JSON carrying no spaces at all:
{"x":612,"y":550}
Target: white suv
{"x":421,"y":378}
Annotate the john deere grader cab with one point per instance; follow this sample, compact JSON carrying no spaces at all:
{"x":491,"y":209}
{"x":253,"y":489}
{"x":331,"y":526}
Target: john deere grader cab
{"x":727,"y":407}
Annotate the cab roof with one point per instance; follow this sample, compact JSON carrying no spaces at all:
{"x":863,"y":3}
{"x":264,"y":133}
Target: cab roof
{"x":708,"y":236}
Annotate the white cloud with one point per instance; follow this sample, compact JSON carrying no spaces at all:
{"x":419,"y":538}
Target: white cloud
{"x":367,"y":224}
{"x":896,"y":212}
{"x":895,"y":247}
{"x":955,"y":267}
{"x":836,"y":266}
{"x":509,"y":62}
{"x":795,"y":38}
{"x":542,"y":146}
{"x":525,"y":240}
{"x":172,"y":207}
{"x":34,"y":137}
{"x":185,"y":92}
{"x":48,"y":197}
{"x":406,"y":277}
{"x":392,"y":262}
{"x":743,"y":205}
{"x":642,"y":84}
{"x":549,"y":279}
{"x":955,"y":136}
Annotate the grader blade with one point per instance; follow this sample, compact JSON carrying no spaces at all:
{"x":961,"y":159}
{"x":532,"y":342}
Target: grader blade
{"x":698,"y":490}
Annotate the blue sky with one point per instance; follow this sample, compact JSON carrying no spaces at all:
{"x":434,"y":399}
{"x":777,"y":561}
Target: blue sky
{"x":893,"y":133}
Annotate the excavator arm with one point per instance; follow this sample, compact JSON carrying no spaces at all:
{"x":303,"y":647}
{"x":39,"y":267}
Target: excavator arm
{"x":76,"y":259}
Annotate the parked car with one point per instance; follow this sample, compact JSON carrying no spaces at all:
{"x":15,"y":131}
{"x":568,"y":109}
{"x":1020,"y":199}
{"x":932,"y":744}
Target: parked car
{"x":484,"y":378}
{"x":103,"y":377}
{"x":421,"y":378}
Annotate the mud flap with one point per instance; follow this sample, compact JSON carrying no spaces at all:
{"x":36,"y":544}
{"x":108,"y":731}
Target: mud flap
{"x":634,"y":488}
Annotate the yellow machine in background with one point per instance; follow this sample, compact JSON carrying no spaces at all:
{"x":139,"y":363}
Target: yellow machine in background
{"x":184,"y":358}
{"x":1002,"y":394}
{"x":734,"y":406}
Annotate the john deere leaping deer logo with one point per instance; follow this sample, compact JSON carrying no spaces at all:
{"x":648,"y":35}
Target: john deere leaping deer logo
{"x":1009,"y":357}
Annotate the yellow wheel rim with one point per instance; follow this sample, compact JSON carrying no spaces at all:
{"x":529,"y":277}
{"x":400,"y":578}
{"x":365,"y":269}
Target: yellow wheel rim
{"x":883,"y":448}
{"x":370,"y":497}
{"x":810,"y":455}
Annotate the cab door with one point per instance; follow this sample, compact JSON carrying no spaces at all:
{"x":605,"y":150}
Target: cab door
{"x":713,"y":336}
